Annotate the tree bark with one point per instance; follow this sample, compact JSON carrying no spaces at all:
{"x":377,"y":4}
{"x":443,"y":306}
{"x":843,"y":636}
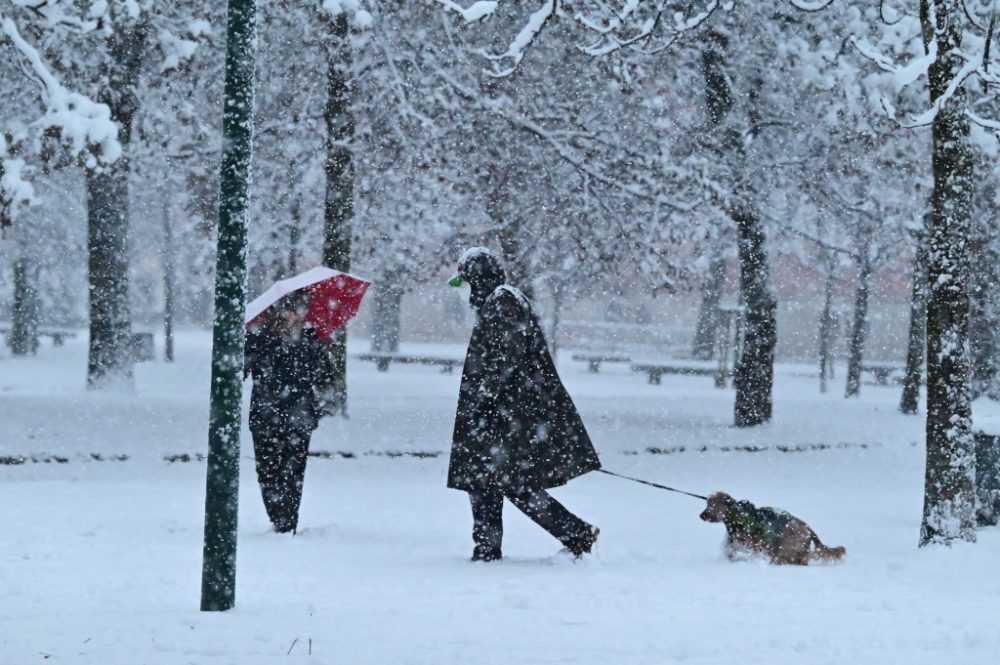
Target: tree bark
{"x":386,"y":323}
{"x":856,"y":346}
{"x":110,"y":351}
{"x":294,"y":236}
{"x":24,"y":320}
{"x":949,"y":483}
{"x":169,"y":280}
{"x":515,"y":257}
{"x":909,"y":403}
{"x":706,"y":332}
{"x":558,"y":301}
{"x":338,"y":212}
{"x":718,"y":104}
{"x":754,"y":375}
{"x":827,"y":325}
{"x":983,"y":319}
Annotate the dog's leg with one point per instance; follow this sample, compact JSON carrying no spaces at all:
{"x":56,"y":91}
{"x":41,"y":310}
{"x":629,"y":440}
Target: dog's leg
{"x":822,"y":552}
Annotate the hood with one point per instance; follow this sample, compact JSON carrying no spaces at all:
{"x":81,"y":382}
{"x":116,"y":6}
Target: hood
{"x":482,"y":270}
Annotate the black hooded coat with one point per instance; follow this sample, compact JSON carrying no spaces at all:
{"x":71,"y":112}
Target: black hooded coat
{"x":288,"y":378}
{"x":516,"y":426}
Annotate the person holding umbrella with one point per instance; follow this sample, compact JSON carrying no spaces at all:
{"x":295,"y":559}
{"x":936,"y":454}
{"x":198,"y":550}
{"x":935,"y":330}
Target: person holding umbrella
{"x":294,"y":381}
{"x":517,"y":432}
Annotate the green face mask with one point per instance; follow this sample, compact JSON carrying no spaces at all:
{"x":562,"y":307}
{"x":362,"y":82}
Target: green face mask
{"x":456,"y":280}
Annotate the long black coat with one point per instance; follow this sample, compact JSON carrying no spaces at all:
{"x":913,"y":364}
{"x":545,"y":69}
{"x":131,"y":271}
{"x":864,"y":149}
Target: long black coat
{"x":288,"y":379}
{"x":516,"y":426}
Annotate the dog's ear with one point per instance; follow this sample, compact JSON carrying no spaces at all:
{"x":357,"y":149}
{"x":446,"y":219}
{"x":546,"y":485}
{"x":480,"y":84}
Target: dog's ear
{"x":722,"y":497}
{"x":716,"y":508}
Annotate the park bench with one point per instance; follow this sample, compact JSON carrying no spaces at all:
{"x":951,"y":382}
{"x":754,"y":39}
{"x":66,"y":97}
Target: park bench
{"x":594,"y":360}
{"x":882,"y":371}
{"x":383,"y":360}
{"x":57,"y":336}
{"x":656,"y":370}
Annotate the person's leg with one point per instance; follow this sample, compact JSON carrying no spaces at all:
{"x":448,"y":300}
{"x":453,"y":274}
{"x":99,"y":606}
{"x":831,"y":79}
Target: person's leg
{"x":267,"y":447}
{"x":575,"y":534}
{"x":294,"y":472}
{"x":487,"y":523}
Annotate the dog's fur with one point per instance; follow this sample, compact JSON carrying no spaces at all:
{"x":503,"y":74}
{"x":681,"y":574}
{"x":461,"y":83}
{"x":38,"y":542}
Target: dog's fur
{"x":790,"y":541}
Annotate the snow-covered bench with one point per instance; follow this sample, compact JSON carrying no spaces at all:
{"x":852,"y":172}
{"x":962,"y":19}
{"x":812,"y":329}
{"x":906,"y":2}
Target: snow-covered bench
{"x":594,"y":360}
{"x":882,"y":371}
{"x":57,"y":335}
{"x":691,"y":368}
{"x":382,"y":360}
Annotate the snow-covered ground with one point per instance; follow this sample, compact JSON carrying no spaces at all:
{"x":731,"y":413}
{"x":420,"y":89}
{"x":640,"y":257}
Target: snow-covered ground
{"x":100,"y":560}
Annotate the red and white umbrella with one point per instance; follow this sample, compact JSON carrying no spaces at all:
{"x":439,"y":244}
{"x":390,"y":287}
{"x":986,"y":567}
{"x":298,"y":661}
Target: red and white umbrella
{"x":334,"y":298}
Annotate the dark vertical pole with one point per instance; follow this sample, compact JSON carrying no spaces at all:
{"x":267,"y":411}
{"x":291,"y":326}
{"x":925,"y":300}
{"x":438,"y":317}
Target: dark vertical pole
{"x":339,"y":169}
{"x":218,"y":581}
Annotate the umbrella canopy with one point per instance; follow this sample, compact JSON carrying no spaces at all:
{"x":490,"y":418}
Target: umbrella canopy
{"x":334,"y":298}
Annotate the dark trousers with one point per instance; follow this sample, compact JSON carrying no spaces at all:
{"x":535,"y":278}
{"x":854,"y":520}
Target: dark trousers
{"x":281,"y":469}
{"x":545,"y":511}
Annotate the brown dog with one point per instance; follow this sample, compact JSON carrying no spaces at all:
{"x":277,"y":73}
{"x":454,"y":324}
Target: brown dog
{"x":780,"y":536}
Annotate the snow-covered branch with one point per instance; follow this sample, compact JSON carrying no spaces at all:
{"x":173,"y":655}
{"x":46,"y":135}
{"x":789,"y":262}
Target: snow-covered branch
{"x":632,"y":24}
{"x":475,"y":12}
{"x":515,"y":52}
{"x":81,"y":123}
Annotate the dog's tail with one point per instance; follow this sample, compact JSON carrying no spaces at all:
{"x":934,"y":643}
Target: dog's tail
{"x":823,"y":553}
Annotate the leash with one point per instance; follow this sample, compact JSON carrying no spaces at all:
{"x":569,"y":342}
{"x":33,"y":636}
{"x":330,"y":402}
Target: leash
{"x":656,"y":485}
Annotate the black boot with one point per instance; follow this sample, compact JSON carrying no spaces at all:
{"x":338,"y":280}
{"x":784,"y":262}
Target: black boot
{"x":486,"y":554}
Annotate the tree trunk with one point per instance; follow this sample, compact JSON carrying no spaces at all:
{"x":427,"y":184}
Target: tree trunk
{"x":983,"y":319}
{"x":169,"y":280}
{"x":515,"y":255}
{"x":24,"y":324}
{"x":338,"y":211}
{"x":706,"y":332}
{"x":110,"y":353}
{"x":218,"y":578}
{"x":294,"y":236}
{"x":949,"y":484}
{"x":718,"y":104}
{"x":558,"y":300}
{"x":386,"y":323}
{"x":856,"y":346}
{"x":827,"y":325}
{"x":754,"y":375}
{"x":909,"y":403}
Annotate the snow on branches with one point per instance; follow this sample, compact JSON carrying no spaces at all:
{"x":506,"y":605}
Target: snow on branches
{"x":80,"y":122}
{"x":907,"y":50}
{"x":83,"y":126}
{"x":358,"y":17}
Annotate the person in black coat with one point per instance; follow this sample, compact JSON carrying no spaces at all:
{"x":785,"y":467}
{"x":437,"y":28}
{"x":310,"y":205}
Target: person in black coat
{"x":517,"y":431}
{"x":291,"y":372}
